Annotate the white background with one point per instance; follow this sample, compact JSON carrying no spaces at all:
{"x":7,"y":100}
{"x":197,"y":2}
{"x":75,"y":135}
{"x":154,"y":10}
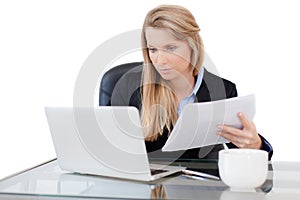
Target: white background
{"x":43,"y":45}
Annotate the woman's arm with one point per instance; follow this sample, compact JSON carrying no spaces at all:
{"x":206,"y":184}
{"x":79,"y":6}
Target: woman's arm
{"x":247,"y":137}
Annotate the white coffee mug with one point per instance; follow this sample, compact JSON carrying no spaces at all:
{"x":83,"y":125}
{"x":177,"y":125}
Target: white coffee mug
{"x":243,"y":169}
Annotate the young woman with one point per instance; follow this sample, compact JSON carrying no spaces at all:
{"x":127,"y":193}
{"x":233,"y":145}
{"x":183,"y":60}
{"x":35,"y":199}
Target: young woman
{"x":172,"y":76}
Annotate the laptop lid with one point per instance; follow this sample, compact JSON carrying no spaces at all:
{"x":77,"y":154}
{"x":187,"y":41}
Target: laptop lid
{"x":105,"y":141}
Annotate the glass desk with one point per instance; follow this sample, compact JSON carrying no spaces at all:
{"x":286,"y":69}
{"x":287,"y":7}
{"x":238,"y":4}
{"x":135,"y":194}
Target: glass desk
{"x":48,"y":181}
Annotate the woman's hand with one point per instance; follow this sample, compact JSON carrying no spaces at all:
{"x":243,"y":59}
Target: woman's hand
{"x":247,"y":137}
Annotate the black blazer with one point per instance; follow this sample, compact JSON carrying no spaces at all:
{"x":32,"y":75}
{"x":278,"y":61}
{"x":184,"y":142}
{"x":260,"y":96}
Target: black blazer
{"x":212,"y":88}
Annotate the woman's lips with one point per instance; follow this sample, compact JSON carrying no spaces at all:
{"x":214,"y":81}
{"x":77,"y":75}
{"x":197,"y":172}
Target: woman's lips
{"x":165,"y":70}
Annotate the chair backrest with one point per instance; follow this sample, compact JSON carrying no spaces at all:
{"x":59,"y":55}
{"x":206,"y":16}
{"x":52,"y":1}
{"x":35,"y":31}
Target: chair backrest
{"x":109,"y":80}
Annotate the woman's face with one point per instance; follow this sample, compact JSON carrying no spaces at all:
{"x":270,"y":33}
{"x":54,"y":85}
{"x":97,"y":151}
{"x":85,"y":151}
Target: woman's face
{"x":170,"y":56}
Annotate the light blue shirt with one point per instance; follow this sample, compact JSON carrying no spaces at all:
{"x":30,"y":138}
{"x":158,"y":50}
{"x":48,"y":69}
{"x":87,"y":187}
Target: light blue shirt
{"x":191,"y":98}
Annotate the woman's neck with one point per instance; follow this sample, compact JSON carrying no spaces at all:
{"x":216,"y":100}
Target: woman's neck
{"x":183,"y":86}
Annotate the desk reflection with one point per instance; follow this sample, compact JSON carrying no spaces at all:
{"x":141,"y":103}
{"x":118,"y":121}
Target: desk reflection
{"x":178,"y":187}
{"x":49,"y":180}
{"x":158,"y":192}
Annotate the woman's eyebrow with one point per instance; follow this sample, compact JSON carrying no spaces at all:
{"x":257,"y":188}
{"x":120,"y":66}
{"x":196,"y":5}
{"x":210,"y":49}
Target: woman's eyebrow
{"x":165,"y":45}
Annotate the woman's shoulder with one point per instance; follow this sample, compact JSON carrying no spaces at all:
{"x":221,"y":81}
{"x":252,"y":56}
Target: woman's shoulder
{"x":215,"y":87}
{"x":213,"y":78}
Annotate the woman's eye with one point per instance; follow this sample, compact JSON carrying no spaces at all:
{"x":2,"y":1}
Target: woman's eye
{"x":152,"y":50}
{"x":171,"y":48}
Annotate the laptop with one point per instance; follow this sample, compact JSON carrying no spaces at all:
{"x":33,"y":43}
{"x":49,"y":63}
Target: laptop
{"x":106,"y":141}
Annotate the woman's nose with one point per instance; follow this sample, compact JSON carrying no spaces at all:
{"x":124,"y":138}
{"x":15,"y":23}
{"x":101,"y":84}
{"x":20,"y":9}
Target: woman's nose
{"x":161,"y":57}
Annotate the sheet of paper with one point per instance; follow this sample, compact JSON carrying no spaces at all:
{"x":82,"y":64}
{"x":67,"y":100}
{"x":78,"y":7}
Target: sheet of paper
{"x":197,"y":124}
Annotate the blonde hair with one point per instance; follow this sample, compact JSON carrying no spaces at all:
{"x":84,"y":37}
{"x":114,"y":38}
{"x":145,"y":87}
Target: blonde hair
{"x":159,"y":105}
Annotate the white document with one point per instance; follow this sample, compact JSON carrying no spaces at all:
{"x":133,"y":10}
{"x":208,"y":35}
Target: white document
{"x":197,"y":124}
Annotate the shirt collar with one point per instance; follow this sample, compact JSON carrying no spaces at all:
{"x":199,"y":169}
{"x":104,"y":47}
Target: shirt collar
{"x":199,"y":80}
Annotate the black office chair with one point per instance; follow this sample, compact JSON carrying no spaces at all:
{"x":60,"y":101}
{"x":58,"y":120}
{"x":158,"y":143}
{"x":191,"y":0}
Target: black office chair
{"x":109,"y":80}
